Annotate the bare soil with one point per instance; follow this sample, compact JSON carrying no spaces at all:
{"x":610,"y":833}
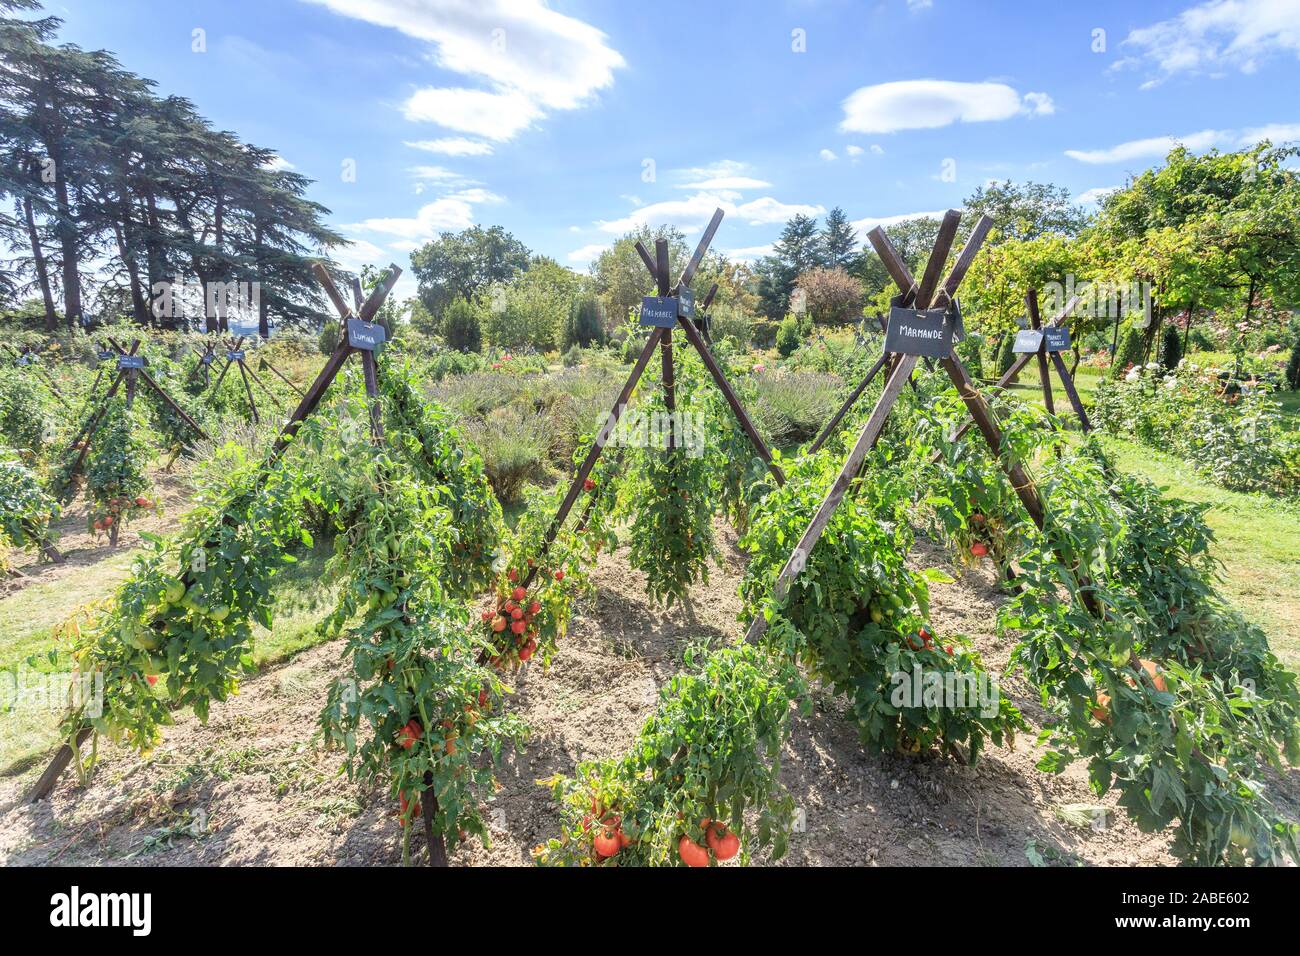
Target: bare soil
{"x":250,"y":787}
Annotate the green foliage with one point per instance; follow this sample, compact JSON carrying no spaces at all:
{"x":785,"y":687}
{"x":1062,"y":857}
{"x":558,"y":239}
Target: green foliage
{"x":582,"y":326}
{"x":1241,"y":441}
{"x":1293,"y":367}
{"x":1171,"y":348}
{"x":515,"y":445}
{"x":790,"y":407}
{"x":788,"y":336}
{"x":856,"y":616}
{"x":116,"y":482}
{"x":729,"y":322}
{"x":460,"y":327}
{"x":24,"y":411}
{"x":1132,"y":346}
{"x":463,"y":265}
{"x":25,"y":509}
{"x":710,"y":751}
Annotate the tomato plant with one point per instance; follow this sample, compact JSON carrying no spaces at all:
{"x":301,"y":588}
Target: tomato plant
{"x":25,"y":509}
{"x":857,"y":616}
{"x":709,"y":753}
{"x":115,"y":477}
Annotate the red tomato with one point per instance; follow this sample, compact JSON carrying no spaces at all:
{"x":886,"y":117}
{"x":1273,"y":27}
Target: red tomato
{"x":979,"y":549}
{"x":559,"y":575}
{"x":527,"y":650}
{"x":692,"y":853}
{"x":948,"y":648}
{"x":607,"y":842}
{"x":518,"y":627}
{"x":722,"y":842}
{"x":517,"y":613}
{"x":589,"y":485}
{"x":518,"y":594}
{"x":409,"y":734}
{"x":152,"y":679}
{"x":534,"y":607}
{"x":487,"y":616}
{"x":499,"y":624}
{"x":401,"y":802}
{"x":512,"y":574}
{"x":142,"y":502}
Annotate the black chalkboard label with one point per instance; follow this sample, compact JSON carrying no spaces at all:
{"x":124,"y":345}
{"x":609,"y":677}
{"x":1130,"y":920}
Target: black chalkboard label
{"x":1027,"y":340}
{"x":130,"y":361}
{"x":1058,"y":340}
{"x":686,"y":304}
{"x":925,"y":332}
{"x":104,"y":355}
{"x":235,"y":356}
{"x":366,"y":336}
{"x":659,"y":311}
{"x":206,"y":359}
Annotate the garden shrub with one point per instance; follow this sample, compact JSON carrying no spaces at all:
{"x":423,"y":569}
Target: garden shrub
{"x":792,"y":406}
{"x":515,"y":445}
{"x":788,"y":337}
{"x":1132,"y":344}
{"x":582,"y":325}
{"x":460,"y":327}
{"x":1171,"y":347}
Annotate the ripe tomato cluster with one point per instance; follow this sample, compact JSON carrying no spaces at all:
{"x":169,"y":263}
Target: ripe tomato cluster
{"x":515,"y":612}
{"x":119,"y":510}
{"x":720,"y":841}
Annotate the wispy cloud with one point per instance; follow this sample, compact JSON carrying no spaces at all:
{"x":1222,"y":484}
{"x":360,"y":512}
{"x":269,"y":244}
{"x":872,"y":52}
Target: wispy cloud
{"x":727,"y":174}
{"x":1156,"y":147}
{"x":453,"y":146}
{"x":865,"y":225}
{"x":1215,"y":37}
{"x":930,"y":104}
{"x":691,"y":213}
{"x":587,"y":254}
{"x":1095,"y":195}
{"x":532,"y":58}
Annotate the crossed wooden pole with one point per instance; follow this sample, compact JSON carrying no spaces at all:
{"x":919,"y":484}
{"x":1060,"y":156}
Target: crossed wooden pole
{"x":236,"y":356}
{"x":925,"y":294}
{"x":130,"y":370}
{"x":662,"y":338}
{"x":365,"y":311}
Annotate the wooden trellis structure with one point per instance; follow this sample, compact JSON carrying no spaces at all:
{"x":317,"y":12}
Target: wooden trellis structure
{"x":236,"y":356}
{"x":359,"y":338}
{"x":662,"y":338}
{"x":130,"y":370}
{"x":928,"y":293}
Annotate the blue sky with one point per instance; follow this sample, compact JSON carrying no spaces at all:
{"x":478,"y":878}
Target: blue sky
{"x":569,"y":122}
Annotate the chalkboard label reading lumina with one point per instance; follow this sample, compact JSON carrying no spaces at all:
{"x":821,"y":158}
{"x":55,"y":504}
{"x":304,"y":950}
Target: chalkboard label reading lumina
{"x":924,"y":332}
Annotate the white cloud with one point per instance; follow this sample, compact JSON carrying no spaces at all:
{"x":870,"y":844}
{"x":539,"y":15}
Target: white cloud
{"x":916,"y":6}
{"x":587,"y":254}
{"x":828,"y":155}
{"x":767,"y":209}
{"x":748,"y":253}
{"x":453,"y":146}
{"x":497,"y":116}
{"x":854,"y":150}
{"x":435,"y":173}
{"x":533,"y":58}
{"x":278,"y":163}
{"x":877,"y":149}
{"x":1095,"y":195}
{"x":1153,"y":147}
{"x":695,"y":211}
{"x":1276,"y":132}
{"x":1219,"y":35}
{"x":441,"y":214}
{"x":1039,"y":104}
{"x":929,"y":104}
{"x":864,"y":226}
{"x":476,"y":195}
{"x":724,"y":174}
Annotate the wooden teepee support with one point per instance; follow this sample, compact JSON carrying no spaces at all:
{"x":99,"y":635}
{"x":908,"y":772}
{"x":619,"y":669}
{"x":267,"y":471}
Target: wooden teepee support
{"x":130,"y":370}
{"x":662,"y":338}
{"x":925,"y":294}
{"x":364,"y":313}
{"x":236,"y":356}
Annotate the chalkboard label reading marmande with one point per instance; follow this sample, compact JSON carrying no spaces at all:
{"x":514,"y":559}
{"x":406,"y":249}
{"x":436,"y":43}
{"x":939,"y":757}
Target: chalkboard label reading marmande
{"x":1058,"y":340}
{"x":1027,"y":340}
{"x":366,"y":336}
{"x":924,"y":332}
{"x":659,"y":311}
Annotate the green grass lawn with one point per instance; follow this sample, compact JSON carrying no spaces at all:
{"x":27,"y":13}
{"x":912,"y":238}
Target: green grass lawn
{"x":28,"y":617}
